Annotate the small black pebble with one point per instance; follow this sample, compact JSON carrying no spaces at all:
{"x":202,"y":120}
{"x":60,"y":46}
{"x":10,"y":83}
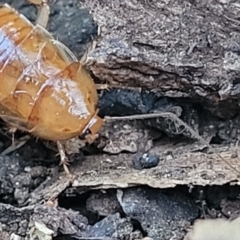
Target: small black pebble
{"x":145,"y":160}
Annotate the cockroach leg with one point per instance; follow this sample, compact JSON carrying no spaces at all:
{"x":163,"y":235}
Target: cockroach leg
{"x":43,"y":12}
{"x":102,"y":86}
{"x":63,"y":157}
{"x":16,"y":145}
{"x":90,"y":48}
{"x":12,"y":131}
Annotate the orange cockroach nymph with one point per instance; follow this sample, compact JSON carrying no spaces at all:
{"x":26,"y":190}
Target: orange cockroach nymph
{"x":44,"y":90}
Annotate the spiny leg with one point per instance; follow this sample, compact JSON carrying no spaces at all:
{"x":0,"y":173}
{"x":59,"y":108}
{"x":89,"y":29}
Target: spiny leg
{"x":13,"y":130}
{"x":63,"y":157}
{"x":16,"y":143}
{"x":102,"y":86}
{"x":90,"y":48}
{"x":43,"y":12}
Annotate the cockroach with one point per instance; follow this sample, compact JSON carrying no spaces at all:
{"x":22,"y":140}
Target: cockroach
{"x":44,"y":89}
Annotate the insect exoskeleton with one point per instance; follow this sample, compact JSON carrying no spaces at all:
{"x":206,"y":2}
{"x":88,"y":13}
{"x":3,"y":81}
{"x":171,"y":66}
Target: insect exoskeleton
{"x":42,"y":89}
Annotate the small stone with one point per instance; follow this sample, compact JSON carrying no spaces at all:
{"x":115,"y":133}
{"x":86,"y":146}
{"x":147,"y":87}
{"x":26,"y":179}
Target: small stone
{"x":145,"y":160}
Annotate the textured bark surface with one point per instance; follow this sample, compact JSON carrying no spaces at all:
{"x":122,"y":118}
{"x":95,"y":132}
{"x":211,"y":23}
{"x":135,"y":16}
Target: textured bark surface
{"x":187,"y":49}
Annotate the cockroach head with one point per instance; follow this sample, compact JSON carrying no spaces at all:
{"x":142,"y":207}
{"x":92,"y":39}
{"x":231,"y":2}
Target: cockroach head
{"x":90,"y":132}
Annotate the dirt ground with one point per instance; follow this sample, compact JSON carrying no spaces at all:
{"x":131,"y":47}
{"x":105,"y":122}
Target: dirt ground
{"x":141,"y":179}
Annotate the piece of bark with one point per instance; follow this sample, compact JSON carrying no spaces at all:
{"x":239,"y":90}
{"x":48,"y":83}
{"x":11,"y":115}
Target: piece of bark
{"x":181,"y":164}
{"x":184,"y":49}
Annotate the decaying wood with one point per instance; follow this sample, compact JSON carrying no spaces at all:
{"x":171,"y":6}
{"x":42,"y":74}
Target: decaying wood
{"x":179,"y":165}
{"x":177,"y":48}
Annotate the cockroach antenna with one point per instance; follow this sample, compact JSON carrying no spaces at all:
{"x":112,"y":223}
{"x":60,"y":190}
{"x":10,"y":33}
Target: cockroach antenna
{"x":180,"y":122}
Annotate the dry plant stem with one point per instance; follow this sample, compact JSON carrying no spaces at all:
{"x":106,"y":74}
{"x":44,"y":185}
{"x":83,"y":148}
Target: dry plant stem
{"x":178,"y":122}
{"x":63,"y":157}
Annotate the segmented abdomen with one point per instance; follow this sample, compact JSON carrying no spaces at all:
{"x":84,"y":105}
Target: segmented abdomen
{"x":37,"y":85}
{"x":22,"y":59}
